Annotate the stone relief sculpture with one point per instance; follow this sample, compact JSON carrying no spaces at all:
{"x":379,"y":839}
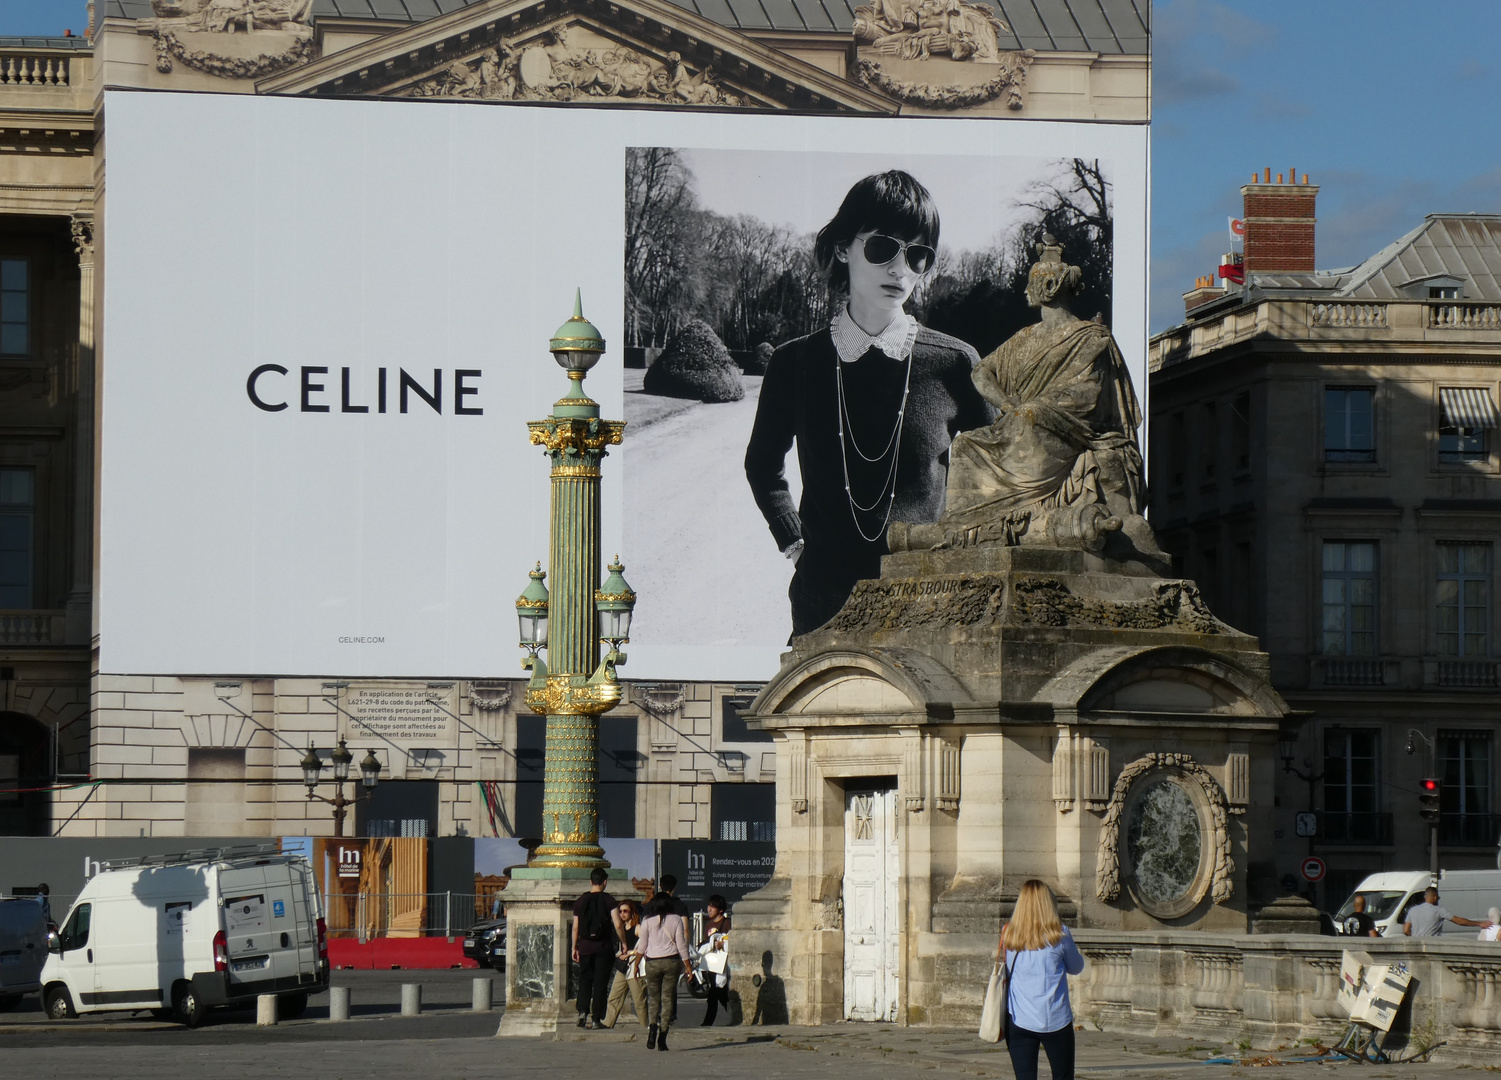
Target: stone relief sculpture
{"x":945,"y":30}
{"x":569,"y":64}
{"x":237,"y":39}
{"x":1114,"y":827}
{"x":1060,"y":466}
{"x":916,"y":31}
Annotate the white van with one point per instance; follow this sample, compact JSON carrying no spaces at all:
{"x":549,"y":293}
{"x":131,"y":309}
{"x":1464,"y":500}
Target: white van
{"x":23,"y":948}
{"x":180,"y":934}
{"x":1389,"y":896}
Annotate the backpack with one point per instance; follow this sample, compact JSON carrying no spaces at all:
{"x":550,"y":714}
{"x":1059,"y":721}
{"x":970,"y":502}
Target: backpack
{"x":595,"y":925}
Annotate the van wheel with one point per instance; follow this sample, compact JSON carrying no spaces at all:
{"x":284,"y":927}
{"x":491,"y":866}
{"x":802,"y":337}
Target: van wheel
{"x":291,"y":1006}
{"x":59,"y":1004}
{"x":186,"y":1006}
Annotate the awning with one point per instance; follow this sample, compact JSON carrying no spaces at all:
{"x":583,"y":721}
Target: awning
{"x":1468,"y":407}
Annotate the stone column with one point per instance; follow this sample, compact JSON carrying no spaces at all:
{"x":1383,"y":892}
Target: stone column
{"x":78,"y":628}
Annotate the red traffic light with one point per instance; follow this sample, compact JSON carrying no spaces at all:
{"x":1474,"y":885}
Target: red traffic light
{"x":1430,"y":785}
{"x":1430,"y":790}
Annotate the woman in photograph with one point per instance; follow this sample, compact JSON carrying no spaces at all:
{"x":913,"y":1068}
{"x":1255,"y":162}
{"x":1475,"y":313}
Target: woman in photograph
{"x":872,"y":403}
{"x":629,"y":976}
{"x":1040,"y":954}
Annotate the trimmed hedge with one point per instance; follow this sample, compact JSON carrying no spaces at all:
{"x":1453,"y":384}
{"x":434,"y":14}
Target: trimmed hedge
{"x":695,"y":364}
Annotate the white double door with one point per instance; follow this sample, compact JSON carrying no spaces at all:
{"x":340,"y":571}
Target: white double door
{"x":872,"y":909}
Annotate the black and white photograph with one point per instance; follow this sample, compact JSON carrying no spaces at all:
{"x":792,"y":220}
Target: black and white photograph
{"x":802,"y":328}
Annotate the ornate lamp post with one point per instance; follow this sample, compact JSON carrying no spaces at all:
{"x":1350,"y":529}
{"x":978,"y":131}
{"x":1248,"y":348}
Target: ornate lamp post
{"x":574,"y":687}
{"x":340,"y":759}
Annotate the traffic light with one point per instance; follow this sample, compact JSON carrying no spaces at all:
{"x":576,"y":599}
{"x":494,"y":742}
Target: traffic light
{"x":1428,"y":795}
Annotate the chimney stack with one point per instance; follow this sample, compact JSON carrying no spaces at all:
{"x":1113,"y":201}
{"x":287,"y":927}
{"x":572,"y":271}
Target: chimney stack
{"x":1279,"y":224}
{"x":1204,"y":290}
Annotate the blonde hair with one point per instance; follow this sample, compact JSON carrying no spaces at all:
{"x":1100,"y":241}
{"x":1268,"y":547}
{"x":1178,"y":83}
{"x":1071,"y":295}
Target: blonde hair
{"x":1034,"y":922}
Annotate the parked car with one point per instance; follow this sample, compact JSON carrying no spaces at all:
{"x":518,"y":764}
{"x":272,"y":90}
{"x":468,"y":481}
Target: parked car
{"x":485,"y":943}
{"x":23,"y":949}
{"x":181,"y":934}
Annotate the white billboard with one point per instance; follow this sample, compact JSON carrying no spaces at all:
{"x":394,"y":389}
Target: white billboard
{"x":326,"y":327}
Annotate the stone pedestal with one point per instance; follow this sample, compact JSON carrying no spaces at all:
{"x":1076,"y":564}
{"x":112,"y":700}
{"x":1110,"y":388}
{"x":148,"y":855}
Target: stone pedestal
{"x":1016,"y":712}
{"x":539,"y":927}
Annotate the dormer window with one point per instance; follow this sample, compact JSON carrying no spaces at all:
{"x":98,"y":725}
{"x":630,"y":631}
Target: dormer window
{"x":1443,"y":292}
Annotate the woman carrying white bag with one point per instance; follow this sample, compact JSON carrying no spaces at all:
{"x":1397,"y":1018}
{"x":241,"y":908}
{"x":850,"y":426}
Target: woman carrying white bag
{"x":1027,"y":1002}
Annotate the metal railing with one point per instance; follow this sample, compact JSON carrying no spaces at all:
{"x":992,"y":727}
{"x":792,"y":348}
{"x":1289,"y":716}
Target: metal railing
{"x":1469,"y":830}
{"x":1358,"y":829}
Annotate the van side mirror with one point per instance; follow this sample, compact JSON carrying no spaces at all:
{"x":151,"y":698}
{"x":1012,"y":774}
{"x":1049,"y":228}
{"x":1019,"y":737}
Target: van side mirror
{"x":55,"y":944}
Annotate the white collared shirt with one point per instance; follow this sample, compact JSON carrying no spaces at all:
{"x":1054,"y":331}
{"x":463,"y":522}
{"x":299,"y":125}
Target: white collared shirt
{"x":851,"y":343}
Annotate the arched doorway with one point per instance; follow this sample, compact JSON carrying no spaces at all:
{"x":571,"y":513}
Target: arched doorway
{"x":25,"y":765}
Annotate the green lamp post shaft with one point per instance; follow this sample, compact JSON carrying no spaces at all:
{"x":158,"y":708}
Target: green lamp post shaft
{"x":574,"y":689}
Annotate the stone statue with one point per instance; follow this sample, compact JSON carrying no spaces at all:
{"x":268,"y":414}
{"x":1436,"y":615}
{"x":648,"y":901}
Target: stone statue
{"x":1060,"y":466}
{"x":919,"y":29}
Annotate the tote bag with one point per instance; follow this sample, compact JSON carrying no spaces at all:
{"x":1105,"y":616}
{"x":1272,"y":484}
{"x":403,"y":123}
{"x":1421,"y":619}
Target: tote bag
{"x":993,"y":1015}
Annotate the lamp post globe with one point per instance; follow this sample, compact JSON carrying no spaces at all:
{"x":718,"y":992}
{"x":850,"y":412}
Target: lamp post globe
{"x":341,"y":759}
{"x":531,"y":612}
{"x":370,"y":770}
{"x":312,"y":766}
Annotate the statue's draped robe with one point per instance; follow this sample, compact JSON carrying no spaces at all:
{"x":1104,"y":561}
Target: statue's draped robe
{"x":1065,"y":434}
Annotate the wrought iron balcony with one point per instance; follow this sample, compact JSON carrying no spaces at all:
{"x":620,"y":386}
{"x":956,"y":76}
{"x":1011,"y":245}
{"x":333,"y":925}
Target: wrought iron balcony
{"x":1369,"y":829}
{"x":1469,"y":830}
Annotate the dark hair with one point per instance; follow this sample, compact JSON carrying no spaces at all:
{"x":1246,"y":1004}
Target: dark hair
{"x":669,"y":882}
{"x":599,"y":875}
{"x":717,"y":901}
{"x":660,"y":904}
{"x":632,"y":907}
{"x":891,"y":202}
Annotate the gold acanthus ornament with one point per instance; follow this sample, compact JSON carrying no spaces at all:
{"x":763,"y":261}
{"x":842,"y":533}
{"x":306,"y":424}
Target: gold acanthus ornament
{"x":560,"y":435}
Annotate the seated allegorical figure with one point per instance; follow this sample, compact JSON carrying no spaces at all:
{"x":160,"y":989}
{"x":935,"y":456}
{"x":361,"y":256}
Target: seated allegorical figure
{"x":1060,"y":466}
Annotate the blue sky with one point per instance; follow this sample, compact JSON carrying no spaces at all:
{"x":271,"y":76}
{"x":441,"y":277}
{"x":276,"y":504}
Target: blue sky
{"x":1390,"y":107}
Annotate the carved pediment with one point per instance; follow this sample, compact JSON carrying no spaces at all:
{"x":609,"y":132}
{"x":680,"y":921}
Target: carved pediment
{"x":938,"y":54}
{"x":586,"y":51}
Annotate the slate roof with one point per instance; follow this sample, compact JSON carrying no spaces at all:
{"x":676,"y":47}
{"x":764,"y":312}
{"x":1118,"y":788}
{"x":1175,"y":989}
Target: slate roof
{"x":1103,"y":26}
{"x":79,"y":42}
{"x":1466,"y":247}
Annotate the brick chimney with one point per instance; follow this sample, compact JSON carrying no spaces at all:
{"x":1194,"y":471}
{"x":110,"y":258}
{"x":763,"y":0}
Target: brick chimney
{"x":1280,"y":222}
{"x":1204,"y":290}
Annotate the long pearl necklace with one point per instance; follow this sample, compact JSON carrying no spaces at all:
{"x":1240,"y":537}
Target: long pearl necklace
{"x":893,"y":447}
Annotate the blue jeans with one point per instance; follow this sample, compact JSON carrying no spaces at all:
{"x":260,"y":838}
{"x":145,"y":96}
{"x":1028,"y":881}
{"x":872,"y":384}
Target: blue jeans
{"x":1023,"y":1045}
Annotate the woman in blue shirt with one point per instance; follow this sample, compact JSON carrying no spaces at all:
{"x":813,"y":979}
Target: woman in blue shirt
{"x":1040,"y":953}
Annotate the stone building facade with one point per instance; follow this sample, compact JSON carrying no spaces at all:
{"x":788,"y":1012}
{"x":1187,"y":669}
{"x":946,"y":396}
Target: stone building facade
{"x":154,"y":754}
{"x":1325,"y":465}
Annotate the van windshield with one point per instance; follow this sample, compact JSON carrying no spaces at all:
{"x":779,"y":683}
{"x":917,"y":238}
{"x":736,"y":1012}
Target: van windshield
{"x":1378,"y":905}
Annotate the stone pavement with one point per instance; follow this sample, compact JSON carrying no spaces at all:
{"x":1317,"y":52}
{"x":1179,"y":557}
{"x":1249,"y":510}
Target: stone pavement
{"x":456,"y":1044}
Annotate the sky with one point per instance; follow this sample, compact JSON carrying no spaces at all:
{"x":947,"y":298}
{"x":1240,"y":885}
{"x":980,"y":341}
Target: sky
{"x":1390,"y":107}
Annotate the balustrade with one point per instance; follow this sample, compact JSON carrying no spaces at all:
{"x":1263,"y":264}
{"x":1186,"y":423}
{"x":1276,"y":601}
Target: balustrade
{"x":1348,"y":315}
{"x":32,"y":69}
{"x":31,"y":627}
{"x":1465,"y":316}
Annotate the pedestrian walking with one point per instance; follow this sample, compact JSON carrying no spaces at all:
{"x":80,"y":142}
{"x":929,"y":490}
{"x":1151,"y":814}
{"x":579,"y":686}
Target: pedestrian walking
{"x":668,"y":883}
{"x":1427,"y":919}
{"x":629,"y":976}
{"x":871,"y":402}
{"x":595,"y":928}
{"x":44,"y":898}
{"x":663,"y":942}
{"x":713,"y":950}
{"x":1041,"y":955}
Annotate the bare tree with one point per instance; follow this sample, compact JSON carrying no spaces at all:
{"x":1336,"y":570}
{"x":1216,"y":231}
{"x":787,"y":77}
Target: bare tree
{"x":661,"y":212}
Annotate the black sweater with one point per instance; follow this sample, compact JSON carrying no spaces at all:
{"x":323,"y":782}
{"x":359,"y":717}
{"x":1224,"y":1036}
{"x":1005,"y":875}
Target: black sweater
{"x":800,"y":403}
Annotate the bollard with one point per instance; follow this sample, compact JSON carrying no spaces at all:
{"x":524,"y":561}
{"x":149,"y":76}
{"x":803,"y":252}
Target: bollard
{"x":338,"y":1003}
{"x":411,"y":999}
{"x":265,"y":1010}
{"x":484,"y":994}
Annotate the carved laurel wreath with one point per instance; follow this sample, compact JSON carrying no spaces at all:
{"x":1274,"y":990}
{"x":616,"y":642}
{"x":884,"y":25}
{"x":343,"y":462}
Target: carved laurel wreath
{"x":169,"y":45}
{"x":1108,"y":876}
{"x":869,"y":75}
{"x":658,"y":706}
{"x":490,"y":695}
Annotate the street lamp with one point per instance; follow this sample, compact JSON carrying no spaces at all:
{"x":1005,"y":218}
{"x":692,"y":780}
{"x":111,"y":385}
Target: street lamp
{"x":340,"y":759}
{"x":573,"y":686}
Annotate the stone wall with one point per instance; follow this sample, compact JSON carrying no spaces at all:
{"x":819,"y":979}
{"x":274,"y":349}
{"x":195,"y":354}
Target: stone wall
{"x":1277,"y":990}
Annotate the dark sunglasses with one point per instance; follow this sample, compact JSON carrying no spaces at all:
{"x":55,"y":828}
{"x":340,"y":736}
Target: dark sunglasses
{"x":880,"y":249}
